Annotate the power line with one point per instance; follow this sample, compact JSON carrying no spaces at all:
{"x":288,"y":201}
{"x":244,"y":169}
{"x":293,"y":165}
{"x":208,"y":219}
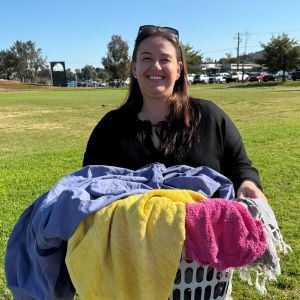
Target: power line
{"x":273,"y":32}
{"x":79,"y":64}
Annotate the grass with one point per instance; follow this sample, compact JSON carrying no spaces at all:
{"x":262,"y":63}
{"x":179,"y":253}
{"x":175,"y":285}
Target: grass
{"x":44,"y":133}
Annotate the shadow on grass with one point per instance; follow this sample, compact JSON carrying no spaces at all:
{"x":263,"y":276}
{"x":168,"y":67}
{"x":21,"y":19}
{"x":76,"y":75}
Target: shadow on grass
{"x":246,"y":85}
{"x":283,"y":91}
{"x":259,"y":84}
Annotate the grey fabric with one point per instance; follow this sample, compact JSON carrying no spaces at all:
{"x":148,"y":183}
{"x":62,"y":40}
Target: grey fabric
{"x":267,"y":265}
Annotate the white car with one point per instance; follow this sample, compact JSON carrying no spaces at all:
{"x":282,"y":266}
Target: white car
{"x":221,"y":77}
{"x":279,"y":75}
{"x":190,"y":78}
{"x":201,"y":78}
{"x":127,"y":81}
{"x":218,"y":78}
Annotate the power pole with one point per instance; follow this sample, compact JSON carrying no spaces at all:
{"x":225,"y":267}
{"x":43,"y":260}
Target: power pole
{"x":238,"y":51}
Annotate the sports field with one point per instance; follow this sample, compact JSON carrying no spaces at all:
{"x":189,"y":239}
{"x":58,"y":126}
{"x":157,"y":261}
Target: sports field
{"x":43,"y":134}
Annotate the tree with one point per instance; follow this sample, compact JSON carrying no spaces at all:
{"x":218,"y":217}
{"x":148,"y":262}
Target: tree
{"x":281,"y":53}
{"x":101,"y":74}
{"x":29,"y":60}
{"x":44,"y":76}
{"x":89,"y":72}
{"x":209,"y":60}
{"x":116,"y":62}
{"x":78,"y":74}
{"x":228,"y":59}
{"x":70,"y":75}
{"x":193,"y":59}
{"x":7,"y":64}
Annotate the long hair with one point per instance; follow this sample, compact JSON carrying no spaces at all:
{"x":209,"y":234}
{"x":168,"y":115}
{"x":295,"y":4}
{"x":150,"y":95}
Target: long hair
{"x":182,"y":119}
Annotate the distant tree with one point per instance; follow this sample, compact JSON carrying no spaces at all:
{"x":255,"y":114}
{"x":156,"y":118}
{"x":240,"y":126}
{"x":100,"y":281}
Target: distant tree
{"x":8,"y":63}
{"x":89,"y":72}
{"x":194,"y":59}
{"x":253,"y":57}
{"x":29,"y":60}
{"x":281,"y":53}
{"x":116,"y":62}
{"x":101,"y":74}
{"x":228,"y":59}
{"x":70,"y":75}
{"x":209,"y":60}
{"x":78,"y":74}
{"x":44,"y":76}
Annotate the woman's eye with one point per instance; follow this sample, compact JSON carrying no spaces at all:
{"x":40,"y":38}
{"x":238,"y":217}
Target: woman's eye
{"x":146,"y":59}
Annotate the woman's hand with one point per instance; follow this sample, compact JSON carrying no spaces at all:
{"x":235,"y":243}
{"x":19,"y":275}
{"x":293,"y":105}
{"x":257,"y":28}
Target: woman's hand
{"x":248,"y":189}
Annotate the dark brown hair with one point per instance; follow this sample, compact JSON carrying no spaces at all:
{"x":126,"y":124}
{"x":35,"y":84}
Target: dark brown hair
{"x":183,"y":119}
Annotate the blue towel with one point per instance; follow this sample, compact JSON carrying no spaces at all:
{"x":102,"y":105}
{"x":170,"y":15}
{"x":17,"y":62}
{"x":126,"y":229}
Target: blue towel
{"x":35,"y":257}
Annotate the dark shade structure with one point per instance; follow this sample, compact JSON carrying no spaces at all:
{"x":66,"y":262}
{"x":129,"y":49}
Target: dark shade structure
{"x":58,"y":72}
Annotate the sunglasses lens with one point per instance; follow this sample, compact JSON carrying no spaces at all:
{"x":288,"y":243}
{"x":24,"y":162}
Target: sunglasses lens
{"x":169,"y":29}
{"x":172,"y":30}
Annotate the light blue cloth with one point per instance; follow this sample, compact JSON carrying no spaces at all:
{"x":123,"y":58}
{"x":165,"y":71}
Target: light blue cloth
{"x":34,"y":262}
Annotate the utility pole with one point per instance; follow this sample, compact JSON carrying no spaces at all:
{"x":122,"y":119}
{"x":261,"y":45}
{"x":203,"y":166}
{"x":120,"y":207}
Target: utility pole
{"x":246,"y":34}
{"x":238,"y":51}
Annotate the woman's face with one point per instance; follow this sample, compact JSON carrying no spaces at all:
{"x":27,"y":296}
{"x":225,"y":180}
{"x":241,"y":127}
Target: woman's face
{"x":156,"y":67}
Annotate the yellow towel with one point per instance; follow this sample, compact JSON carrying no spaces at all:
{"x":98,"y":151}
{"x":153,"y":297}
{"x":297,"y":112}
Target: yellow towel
{"x":130,"y":249}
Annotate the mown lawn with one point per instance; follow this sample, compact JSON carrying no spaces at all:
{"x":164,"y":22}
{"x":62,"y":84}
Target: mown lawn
{"x":44,"y":132}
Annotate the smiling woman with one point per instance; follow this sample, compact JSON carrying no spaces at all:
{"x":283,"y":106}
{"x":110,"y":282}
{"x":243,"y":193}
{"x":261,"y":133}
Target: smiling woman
{"x":156,"y":68}
{"x":160,"y":122}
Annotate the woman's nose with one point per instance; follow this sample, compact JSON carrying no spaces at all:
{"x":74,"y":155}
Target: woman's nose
{"x":156,"y":64}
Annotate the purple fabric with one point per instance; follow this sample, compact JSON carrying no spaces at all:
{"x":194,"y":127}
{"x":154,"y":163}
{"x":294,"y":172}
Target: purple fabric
{"x":222,"y":234}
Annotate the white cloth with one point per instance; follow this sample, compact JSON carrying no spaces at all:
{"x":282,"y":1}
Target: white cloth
{"x":267,"y":265}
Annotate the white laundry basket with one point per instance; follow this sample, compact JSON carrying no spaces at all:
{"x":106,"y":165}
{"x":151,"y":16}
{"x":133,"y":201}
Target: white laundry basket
{"x":194,"y":282}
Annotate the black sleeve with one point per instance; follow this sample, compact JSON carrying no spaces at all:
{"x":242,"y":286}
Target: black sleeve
{"x":100,"y":146}
{"x":235,"y":162}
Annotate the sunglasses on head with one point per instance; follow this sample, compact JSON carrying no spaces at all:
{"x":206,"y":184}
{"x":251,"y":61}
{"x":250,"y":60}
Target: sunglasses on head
{"x":169,"y":29}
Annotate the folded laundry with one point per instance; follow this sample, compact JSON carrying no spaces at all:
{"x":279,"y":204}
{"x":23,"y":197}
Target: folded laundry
{"x":131,"y":248}
{"x":34,"y":262}
{"x":135,"y":244}
{"x":222,"y":234}
{"x":266,"y":266}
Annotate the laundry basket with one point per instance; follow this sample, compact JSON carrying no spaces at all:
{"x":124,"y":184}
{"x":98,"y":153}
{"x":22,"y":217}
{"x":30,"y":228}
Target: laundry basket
{"x":193,"y":282}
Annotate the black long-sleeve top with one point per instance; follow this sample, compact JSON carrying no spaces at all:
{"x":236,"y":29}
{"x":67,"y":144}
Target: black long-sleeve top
{"x":114,"y":141}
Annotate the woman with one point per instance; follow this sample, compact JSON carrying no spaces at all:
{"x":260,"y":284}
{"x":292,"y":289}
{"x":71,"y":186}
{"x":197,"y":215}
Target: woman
{"x":159,"y":122}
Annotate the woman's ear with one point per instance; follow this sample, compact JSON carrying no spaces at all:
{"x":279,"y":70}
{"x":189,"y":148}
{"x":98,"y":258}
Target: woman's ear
{"x":179,"y":69}
{"x":133,"y":69}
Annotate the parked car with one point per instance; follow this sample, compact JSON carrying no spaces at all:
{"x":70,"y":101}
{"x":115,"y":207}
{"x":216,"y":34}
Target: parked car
{"x":237,"y":77}
{"x":72,"y":83}
{"x":201,"y":78}
{"x":268,"y":77}
{"x":91,"y":83}
{"x":102,"y":84}
{"x":116,"y":83}
{"x":254,"y":77}
{"x":279,"y":75}
{"x":81,"y":83}
{"x":257,"y":77}
{"x":190,"y":78}
{"x":296,"y":74}
{"x":212,"y":78}
{"x":127,"y":81}
{"x":218,"y":78}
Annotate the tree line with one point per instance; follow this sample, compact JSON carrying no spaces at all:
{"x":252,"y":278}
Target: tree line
{"x":24,"y":61}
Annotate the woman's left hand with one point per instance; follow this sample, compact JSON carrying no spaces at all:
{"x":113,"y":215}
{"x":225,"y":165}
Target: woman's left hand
{"x":248,"y":189}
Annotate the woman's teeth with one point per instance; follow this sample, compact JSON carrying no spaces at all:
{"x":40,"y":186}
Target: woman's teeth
{"x":155,"y":77}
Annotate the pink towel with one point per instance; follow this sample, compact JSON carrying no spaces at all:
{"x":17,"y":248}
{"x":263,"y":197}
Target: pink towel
{"x":222,"y":234}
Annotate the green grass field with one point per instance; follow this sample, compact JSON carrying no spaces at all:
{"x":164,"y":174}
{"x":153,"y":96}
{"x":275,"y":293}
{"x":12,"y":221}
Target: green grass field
{"x":44,"y":134}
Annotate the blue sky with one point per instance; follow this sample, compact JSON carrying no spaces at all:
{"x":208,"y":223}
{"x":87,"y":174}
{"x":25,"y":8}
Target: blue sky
{"x":78,"y":32}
